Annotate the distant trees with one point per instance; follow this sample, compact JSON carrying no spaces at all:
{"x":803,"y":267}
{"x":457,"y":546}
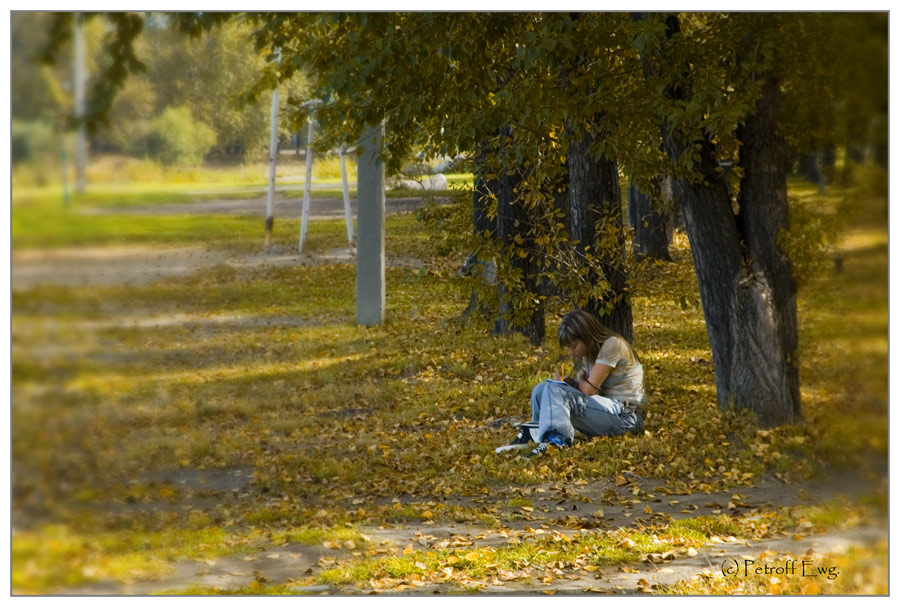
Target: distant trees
{"x":176,"y":138}
{"x":204,"y":78}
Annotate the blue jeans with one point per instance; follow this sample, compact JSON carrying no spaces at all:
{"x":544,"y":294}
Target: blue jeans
{"x":562,"y":409}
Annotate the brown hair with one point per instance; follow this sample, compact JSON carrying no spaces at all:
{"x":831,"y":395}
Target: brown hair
{"x":583,"y":325}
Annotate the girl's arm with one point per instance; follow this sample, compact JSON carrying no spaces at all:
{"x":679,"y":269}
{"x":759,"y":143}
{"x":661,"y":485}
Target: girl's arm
{"x":590,"y":384}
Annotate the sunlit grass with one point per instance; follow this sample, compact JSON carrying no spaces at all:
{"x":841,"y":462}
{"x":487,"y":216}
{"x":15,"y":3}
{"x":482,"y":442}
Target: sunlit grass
{"x":549,"y":555}
{"x":861,"y":570}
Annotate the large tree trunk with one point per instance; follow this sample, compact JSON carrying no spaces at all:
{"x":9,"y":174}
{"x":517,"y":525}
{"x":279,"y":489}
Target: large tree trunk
{"x":763,"y":215}
{"x":715,"y":248}
{"x":652,"y":233}
{"x":595,"y":213}
{"x":745,"y":282}
{"x":746,"y":286}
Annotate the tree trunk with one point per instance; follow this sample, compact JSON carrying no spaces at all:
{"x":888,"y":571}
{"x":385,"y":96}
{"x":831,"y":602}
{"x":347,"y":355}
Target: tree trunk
{"x":809,"y":166}
{"x":512,"y":221}
{"x":485,"y":228}
{"x":595,"y":212}
{"x":746,"y":285}
{"x":715,"y":248}
{"x":651,"y":226}
{"x":763,"y":216}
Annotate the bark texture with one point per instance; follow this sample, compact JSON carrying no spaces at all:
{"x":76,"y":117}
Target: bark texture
{"x":513,"y":220}
{"x":595,"y":213}
{"x":652,"y":230}
{"x":746,"y":281}
{"x":763,"y":216}
{"x":746,"y":284}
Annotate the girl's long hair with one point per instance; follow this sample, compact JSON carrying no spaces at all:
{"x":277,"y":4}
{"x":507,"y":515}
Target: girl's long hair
{"x":583,"y":325}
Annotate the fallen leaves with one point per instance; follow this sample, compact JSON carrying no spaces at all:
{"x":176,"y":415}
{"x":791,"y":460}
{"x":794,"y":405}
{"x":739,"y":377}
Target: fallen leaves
{"x":333,"y":419}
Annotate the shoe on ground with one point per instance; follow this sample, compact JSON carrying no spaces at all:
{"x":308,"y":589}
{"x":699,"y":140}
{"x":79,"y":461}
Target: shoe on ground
{"x":554,"y":440}
{"x":539,"y":450}
{"x":523,"y":437}
{"x":557,"y":441}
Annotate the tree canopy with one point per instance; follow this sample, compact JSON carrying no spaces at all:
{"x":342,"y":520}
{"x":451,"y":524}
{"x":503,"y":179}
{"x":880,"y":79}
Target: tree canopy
{"x":531,"y":97}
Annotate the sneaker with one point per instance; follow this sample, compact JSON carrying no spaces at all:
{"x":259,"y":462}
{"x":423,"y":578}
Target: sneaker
{"x":557,"y":441}
{"x":539,"y":450}
{"x":522,"y":439}
{"x":524,"y":435}
{"x":552,"y":439}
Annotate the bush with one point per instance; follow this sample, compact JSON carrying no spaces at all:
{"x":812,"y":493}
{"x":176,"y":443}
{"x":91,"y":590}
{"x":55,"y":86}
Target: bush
{"x":35,"y":153}
{"x":176,"y":138}
{"x":34,"y":141}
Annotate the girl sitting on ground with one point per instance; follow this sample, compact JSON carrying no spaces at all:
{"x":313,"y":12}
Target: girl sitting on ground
{"x":603,"y":399}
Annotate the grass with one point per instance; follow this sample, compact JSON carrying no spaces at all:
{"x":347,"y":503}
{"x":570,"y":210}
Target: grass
{"x":546,"y":557}
{"x":325,"y":413}
{"x":861,"y":570}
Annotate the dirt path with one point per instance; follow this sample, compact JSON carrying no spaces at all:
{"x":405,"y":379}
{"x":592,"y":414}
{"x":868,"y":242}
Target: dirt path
{"x":554,"y":512}
{"x":115,"y":265}
{"x":320,"y":207}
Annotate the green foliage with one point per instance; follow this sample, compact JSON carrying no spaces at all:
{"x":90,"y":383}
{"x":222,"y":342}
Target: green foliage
{"x":34,"y":142}
{"x":177,"y":138}
{"x":812,"y":235}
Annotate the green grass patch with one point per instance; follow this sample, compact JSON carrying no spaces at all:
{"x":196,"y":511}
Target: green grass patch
{"x":56,"y":556}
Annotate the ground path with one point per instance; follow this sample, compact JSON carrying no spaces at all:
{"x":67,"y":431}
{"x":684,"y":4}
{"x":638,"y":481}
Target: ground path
{"x":298,"y":564}
{"x":111,"y":265}
{"x":320,"y":207}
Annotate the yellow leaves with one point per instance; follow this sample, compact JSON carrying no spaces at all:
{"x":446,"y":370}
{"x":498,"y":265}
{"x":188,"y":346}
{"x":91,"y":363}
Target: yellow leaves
{"x":810,"y":587}
{"x":167,"y":493}
{"x":338,"y":544}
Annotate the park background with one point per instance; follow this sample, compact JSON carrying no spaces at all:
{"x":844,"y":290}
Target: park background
{"x":196,"y":410}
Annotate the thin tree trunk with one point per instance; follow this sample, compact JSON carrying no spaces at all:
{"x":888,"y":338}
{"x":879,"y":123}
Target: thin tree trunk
{"x":513,"y":221}
{"x":595,"y":201}
{"x":652,"y":233}
{"x":485,"y":228}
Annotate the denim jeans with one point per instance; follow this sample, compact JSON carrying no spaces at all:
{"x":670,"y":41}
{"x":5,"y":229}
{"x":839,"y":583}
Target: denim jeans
{"x":562,"y":409}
